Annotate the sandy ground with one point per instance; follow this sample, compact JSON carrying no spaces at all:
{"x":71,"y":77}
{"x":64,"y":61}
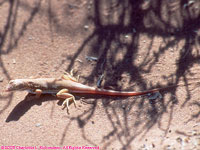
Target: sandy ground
{"x":130,"y":46}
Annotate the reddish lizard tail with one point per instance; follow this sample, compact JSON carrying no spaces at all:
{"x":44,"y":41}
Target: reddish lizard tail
{"x":122,"y":93}
{"x":131,"y":93}
{"x":115,"y":93}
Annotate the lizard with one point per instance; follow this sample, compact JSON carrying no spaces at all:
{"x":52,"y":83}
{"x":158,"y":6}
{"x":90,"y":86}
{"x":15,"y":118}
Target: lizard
{"x":65,"y":86}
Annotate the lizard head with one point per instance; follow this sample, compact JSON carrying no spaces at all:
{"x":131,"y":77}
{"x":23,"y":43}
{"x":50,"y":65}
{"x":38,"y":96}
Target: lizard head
{"x":16,"y":84}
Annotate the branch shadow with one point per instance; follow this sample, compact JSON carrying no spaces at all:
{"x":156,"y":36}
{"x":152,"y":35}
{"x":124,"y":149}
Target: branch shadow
{"x":115,"y":21}
{"x":118,"y":27}
{"x":10,"y":37}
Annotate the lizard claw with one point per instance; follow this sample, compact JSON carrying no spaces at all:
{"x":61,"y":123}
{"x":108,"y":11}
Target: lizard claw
{"x":72,"y":72}
{"x":67,"y":96}
{"x":66,"y":102}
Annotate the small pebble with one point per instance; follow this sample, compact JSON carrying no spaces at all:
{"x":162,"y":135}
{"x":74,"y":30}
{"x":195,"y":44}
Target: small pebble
{"x":14,"y":61}
{"x":1,"y":79}
{"x":89,"y":7}
{"x":153,"y":145}
{"x":79,"y":60}
{"x":191,"y":2}
{"x":38,"y":124}
{"x":91,"y":58}
{"x":194,"y":132}
{"x":179,"y":140}
{"x":30,"y":38}
{"x":123,"y":107}
{"x":86,"y":27}
{"x":126,"y":36}
{"x":187,"y":139}
{"x":134,"y":31}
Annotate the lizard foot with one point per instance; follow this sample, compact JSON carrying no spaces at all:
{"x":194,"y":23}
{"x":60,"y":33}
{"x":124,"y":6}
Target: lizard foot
{"x":66,"y":102}
{"x":70,"y":76}
{"x":67,"y":96}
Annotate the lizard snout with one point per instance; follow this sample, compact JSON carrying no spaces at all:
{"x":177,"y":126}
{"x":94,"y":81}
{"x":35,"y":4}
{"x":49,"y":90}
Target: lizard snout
{"x":9,"y":86}
{"x":13,"y":85}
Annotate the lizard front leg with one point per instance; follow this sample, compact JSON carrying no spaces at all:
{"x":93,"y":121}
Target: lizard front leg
{"x":38,"y":93}
{"x":64,"y":93}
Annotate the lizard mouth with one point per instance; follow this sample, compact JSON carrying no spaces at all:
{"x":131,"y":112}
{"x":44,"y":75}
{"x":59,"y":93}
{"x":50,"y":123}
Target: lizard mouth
{"x":8,"y":88}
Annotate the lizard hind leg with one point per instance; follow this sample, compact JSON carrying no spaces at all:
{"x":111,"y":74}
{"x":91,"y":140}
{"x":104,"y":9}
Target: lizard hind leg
{"x":70,"y":76}
{"x":67,"y":96}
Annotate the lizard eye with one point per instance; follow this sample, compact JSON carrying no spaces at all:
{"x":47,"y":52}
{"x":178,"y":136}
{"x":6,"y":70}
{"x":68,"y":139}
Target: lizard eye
{"x":10,"y":86}
{"x":11,"y":82}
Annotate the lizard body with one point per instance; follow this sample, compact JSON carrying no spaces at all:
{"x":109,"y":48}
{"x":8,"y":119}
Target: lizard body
{"x":53,"y":86}
{"x":62,"y":87}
